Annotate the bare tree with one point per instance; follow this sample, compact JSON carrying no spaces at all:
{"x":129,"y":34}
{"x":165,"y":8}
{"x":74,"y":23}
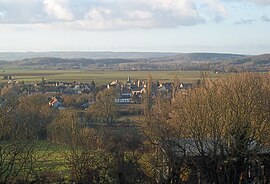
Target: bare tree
{"x":216,"y":133}
{"x":175,"y":86}
{"x":163,"y":164}
{"x":34,"y":110}
{"x":105,"y":106}
{"x":17,"y":145}
{"x":87,"y":163}
{"x":147,"y":96}
{"x":228,"y":121}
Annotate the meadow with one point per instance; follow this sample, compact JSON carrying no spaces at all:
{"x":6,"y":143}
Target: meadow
{"x":100,"y":77}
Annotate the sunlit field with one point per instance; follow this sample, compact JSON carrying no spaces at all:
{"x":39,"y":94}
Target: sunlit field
{"x":100,"y":77}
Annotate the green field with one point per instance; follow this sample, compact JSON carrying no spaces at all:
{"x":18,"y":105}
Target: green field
{"x":50,"y":156}
{"x":100,"y":77}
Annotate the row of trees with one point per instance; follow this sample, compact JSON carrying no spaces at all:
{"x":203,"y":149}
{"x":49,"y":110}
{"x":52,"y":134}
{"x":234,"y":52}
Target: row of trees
{"x":219,"y":131}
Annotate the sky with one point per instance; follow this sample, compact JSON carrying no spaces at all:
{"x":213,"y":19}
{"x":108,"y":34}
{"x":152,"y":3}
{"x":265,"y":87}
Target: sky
{"x":226,"y":26}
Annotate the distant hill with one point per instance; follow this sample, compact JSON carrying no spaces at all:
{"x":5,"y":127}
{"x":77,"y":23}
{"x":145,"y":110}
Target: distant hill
{"x":86,"y":55}
{"x":198,"y":57}
{"x":150,"y":61}
{"x":251,"y":63}
{"x":49,"y":61}
{"x":259,"y":59}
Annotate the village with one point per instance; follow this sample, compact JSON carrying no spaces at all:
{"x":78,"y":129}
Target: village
{"x":127,"y":92}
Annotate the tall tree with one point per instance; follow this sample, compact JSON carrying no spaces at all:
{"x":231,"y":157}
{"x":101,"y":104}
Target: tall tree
{"x":85,"y":161}
{"x":105,"y":106}
{"x":223,"y":125}
{"x":34,"y":110}
{"x":228,"y":122}
{"x":17,"y":145}
{"x":147,"y":96}
{"x":175,"y":86}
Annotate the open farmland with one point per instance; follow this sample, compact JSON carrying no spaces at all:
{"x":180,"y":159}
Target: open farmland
{"x":100,"y":77}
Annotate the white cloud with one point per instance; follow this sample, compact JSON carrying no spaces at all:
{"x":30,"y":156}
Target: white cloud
{"x":113,"y":14}
{"x":2,"y":14}
{"x":216,"y":6}
{"x":261,"y":2}
{"x":57,"y":9}
{"x":256,"y":2}
{"x":140,"y":14}
{"x":265,"y":18}
{"x":180,"y":10}
{"x":98,"y":14}
{"x":245,"y":21}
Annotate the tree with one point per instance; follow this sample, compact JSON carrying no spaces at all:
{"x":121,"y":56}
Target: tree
{"x":175,"y":86}
{"x":147,"y":96}
{"x":86,"y":162}
{"x":34,"y":110}
{"x":43,"y":85}
{"x":17,"y":145}
{"x":123,"y":143}
{"x":220,"y":130}
{"x":105,"y":106}
{"x":228,"y":123}
{"x":78,"y":100}
{"x":161,"y":133}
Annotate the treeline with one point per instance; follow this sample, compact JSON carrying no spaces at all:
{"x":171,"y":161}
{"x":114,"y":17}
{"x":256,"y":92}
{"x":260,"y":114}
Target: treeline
{"x":218,"y":132}
{"x":193,"y":61}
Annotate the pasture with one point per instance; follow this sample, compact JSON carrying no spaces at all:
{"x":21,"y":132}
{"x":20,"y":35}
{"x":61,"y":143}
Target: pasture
{"x":29,"y":75}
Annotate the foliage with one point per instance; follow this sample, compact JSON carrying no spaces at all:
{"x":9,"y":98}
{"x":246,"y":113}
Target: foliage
{"x":229,"y":122}
{"x":223,"y":122}
{"x":77,"y":101}
{"x":17,"y":145}
{"x":83,"y":158}
{"x":34,"y":110}
{"x":105,"y":106}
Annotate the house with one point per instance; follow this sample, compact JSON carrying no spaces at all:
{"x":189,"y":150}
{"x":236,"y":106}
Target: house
{"x":139,"y":90}
{"x":185,"y":85}
{"x":11,"y":81}
{"x":115,"y":85}
{"x":55,"y":103}
{"x":184,"y":160}
{"x":69,"y":90}
{"x":123,"y":99}
{"x":162,"y":88}
{"x":125,"y":96}
{"x":77,"y":89}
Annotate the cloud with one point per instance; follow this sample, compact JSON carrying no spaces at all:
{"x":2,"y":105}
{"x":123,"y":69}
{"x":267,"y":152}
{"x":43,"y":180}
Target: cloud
{"x":215,"y":10}
{"x":140,"y":14}
{"x":2,"y":14}
{"x":21,"y":11}
{"x":111,"y":14}
{"x":261,"y":2}
{"x":265,"y":18}
{"x":216,"y":6}
{"x":57,"y":9}
{"x":245,"y":21}
{"x":256,"y":2}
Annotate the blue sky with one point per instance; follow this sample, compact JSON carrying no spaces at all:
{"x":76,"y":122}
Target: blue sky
{"x":231,"y":26}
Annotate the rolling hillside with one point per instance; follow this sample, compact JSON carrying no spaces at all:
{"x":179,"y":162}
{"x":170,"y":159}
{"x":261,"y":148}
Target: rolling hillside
{"x":160,"y":61}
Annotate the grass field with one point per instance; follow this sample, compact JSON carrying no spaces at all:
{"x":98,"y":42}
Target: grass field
{"x":50,"y":156}
{"x":100,"y":77}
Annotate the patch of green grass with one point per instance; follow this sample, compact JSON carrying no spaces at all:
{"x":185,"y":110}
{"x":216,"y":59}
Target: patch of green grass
{"x":50,"y":157}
